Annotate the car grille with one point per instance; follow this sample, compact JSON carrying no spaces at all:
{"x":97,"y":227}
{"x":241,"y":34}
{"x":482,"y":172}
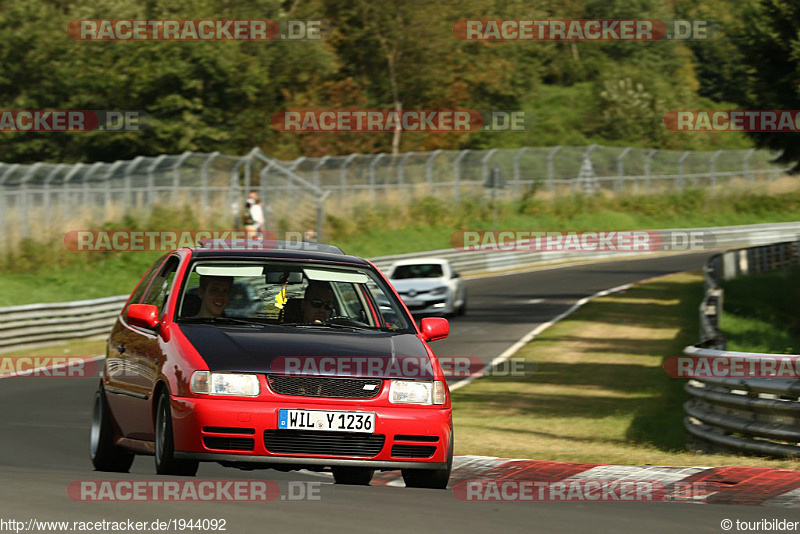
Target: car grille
{"x":413,"y":451}
{"x":314,"y":386}
{"x":229,"y":444}
{"x":323,"y":443}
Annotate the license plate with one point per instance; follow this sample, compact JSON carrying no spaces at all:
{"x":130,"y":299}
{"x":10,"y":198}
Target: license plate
{"x":323,"y":420}
{"x":413,"y":303}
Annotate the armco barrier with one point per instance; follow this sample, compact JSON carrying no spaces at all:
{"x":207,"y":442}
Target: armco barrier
{"x":38,"y":323}
{"x":749,"y":415}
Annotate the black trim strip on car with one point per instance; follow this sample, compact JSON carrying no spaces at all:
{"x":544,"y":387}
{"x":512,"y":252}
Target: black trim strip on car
{"x":229,"y":430}
{"x":125,"y":392}
{"x":378,"y":464}
{"x":420,"y":439}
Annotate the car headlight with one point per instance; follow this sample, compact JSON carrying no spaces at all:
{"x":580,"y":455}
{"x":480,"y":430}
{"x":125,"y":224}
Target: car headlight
{"x":439,"y":290}
{"x":235,"y":384}
{"x":408,"y":392}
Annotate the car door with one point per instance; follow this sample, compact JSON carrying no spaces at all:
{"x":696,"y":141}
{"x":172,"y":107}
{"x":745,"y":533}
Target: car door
{"x":140,"y":356}
{"x":121,"y":338}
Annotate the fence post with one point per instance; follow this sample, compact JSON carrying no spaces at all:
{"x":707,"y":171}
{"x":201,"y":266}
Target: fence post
{"x":107,"y":179}
{"x":86,"y":191}
{"x":47,"y":211}
{"x":205,"y":182}
{"x":266,"y":192}
{"x":590,"y":184}
{"x":517,"y":170}
{"x":321,"y":214}
{"x":621,"y":169}
{"x":680,"y":169}
{"x":176,"y":176}
{"x":429,"y":169}
{"x":128,"y":194}
{"x":746,"y":164}
{"x":485,"y":164}
{"x":4,"y":207}
{"x":65,"y":190}
{"x":291,"y":193}
{"x":457,"y":167}
{"x":26,"y":208}
{"x":151,"y":180}
{"x":317,"y":167}
{"x":648,"y":157}
{"x":713,"y":167}
{"x":551,"y":171}
{"x":372,"y":164}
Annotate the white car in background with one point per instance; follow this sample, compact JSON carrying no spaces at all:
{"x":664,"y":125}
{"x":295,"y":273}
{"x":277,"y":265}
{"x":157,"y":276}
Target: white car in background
{"x":429,"y":286}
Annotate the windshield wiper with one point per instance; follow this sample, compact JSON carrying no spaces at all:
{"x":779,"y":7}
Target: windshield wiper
{"x":330,"y":325}
{"x":220,"y":320}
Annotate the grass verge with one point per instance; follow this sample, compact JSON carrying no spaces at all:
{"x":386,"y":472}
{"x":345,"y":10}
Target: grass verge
{"x":45,"y":271}
{"x":595,"y":389}
{"x":760,"y":312}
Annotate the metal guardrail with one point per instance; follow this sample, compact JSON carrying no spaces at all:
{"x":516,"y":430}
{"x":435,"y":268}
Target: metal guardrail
{"x":38,"y":323}
{"x":751,"y":415}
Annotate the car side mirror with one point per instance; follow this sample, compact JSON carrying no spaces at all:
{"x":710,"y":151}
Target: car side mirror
{"x":143,"y":315}
{"x":434,"y":328}
{"x":454,"y":275}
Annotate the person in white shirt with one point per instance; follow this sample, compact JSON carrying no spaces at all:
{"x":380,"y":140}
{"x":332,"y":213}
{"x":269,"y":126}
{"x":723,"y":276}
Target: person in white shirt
{"x":256,"y":212}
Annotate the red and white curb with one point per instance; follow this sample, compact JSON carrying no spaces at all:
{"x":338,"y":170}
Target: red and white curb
{"x":735,"y":485}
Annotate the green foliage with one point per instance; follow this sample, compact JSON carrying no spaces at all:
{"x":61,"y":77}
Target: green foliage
{"x":219,"y":96}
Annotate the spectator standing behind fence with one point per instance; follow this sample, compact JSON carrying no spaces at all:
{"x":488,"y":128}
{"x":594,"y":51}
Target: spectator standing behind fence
{"x":247,"y":220}
{"x":256,"y":212}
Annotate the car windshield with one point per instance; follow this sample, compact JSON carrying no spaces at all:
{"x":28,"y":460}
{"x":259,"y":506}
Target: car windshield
{"x":253,"y":293}
{"x":419,"y":270}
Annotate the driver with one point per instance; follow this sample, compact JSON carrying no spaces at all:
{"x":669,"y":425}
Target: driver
{"x":319,"y":302}
{"x":214,"y":292}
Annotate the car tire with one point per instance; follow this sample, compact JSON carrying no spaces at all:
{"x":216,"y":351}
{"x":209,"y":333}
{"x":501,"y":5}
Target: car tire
{"x":105,"y":455}
{"x":430,"y":478}
{"x":354,"y":476}
{"x":166,"y":464}
{"x":462,"y":310}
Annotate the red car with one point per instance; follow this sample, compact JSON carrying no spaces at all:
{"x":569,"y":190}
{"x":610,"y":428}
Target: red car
{"x":322,"y":367}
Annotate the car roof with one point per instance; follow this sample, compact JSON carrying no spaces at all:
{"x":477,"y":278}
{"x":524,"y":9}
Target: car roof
{"x":282,"y":250}
{"x":421,"y":261}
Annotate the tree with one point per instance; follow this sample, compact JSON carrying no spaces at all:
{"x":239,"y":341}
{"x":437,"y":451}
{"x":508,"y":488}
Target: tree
{"x":770,"y":45}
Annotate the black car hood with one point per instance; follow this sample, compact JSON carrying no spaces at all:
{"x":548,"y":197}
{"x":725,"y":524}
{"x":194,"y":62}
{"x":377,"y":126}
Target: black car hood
{"x":310,"y":351}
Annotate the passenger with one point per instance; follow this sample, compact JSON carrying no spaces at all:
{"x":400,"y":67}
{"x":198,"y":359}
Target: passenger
{"x":215,"y":292}
{"x":318,"y":302}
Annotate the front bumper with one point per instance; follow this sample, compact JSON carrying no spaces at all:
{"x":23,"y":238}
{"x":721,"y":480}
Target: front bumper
{"x":429,"y":305}
{"x":243,"y":422}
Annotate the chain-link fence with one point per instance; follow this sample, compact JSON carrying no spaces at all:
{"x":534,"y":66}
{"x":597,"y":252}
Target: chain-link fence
{"x":557,"y":170}
{"x":44,"y":198}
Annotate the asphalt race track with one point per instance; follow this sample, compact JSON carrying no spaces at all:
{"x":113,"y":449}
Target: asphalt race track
{"x":45,"y":426}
